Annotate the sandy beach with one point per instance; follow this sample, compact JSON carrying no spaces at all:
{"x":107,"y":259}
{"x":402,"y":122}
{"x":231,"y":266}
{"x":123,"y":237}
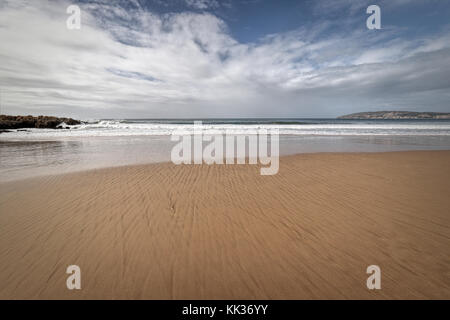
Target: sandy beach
{"x":161,"y":231}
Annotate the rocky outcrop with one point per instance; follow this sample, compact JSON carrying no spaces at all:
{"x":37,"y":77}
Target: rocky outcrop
{"x":396,"y":115}
{"x":17,"y":122}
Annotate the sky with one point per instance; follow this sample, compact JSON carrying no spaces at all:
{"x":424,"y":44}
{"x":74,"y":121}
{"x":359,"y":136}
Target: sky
{"x":232,"y":59}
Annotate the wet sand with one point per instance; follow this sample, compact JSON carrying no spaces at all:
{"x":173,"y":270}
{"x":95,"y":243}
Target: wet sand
{"x":161,"y":231}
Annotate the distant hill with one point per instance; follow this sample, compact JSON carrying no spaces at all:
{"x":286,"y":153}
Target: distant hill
{"x":396,"y":115}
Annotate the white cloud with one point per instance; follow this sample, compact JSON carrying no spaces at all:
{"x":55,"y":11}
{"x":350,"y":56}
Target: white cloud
{"x":132,"y":63}
{"x":332,"y":6}
{"x":202,"y":4}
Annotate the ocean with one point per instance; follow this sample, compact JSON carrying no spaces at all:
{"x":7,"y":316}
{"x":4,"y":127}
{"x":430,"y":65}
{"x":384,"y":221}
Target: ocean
{"x":302,"y":127}
{"x":113,"y":142}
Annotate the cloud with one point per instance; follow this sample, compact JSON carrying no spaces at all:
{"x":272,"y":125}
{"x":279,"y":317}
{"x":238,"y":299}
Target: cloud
{"x":202,"y":4}
{"x":338,"y":6}
{"x":128,"y":62}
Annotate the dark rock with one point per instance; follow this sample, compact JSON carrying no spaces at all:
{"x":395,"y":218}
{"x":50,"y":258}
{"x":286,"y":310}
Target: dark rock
{"x":16,"y":122}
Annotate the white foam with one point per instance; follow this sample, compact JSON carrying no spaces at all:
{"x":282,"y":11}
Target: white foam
{"x":111,"y":128}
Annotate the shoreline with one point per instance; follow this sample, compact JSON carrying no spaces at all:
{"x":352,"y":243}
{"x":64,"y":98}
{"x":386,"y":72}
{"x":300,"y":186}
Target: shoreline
{"x":161,"y":231}
{"x":161,"y":162}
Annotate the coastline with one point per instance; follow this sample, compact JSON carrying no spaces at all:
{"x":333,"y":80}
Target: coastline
{"x":25,"y":158}
{"x":160,"y":231}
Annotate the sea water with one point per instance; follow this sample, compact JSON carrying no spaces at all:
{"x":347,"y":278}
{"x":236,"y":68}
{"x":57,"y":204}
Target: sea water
{"x":113,"y":142}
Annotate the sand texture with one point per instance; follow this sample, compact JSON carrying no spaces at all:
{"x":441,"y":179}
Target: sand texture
{"x":162,"y":231}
